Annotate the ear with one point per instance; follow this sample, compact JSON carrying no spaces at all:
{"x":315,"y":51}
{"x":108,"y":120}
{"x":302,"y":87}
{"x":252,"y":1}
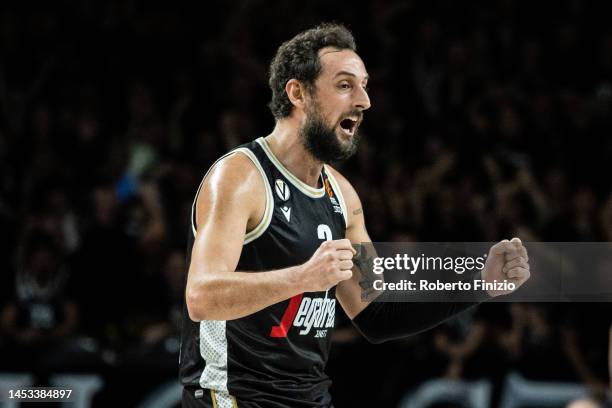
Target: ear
{"x":296,"y":93}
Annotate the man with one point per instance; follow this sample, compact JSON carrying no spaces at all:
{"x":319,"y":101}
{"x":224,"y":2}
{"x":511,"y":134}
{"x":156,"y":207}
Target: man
{"x":274,"y":227}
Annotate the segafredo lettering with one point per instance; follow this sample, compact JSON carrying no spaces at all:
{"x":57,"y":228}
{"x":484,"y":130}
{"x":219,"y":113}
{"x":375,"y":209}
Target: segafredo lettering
{"x":318,"y":313}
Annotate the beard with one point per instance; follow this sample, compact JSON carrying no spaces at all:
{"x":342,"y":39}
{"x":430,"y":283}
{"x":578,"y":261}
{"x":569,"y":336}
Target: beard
{"x":321,"y":140}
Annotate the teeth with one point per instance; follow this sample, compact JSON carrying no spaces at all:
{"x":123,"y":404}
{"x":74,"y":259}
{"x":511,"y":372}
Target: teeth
{"x":351,"y":126}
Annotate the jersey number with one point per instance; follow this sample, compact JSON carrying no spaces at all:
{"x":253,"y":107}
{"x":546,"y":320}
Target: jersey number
{"x":324,"y":233}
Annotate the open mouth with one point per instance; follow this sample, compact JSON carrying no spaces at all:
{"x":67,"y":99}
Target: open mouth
{"x":349,"y":126}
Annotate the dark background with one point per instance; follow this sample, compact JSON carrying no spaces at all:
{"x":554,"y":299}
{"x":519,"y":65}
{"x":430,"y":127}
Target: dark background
{"x":489,"y":119}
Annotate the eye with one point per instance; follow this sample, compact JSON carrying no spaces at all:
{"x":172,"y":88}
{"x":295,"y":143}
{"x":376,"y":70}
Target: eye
{"x":344,"y":85}
{"x":366,"y":88}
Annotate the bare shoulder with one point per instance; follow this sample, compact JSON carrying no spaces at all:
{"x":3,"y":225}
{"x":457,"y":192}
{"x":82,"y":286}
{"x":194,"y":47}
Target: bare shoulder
{"x":233,"y":183}
{"x":351,"y":198}
{"x":236,"y":171}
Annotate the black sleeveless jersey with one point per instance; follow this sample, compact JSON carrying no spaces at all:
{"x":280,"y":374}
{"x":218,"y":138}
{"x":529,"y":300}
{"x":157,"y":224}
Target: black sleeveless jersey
{"x":275,"y":357}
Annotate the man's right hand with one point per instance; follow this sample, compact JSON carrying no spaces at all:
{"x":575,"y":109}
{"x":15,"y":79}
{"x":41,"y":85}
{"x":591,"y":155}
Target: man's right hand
{"x":330,"y":264}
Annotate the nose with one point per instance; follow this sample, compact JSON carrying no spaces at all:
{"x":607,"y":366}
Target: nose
{"x":362,"y":99}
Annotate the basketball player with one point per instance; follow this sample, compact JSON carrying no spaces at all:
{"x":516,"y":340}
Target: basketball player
{"x":274,"y":227}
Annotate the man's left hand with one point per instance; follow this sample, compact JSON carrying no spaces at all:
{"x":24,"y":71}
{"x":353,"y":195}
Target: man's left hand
{"x":507,"y":260}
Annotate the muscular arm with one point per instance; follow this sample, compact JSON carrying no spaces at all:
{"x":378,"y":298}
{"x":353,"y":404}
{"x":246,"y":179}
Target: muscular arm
{"x":386,"y":319}
{"x":389,"y":317}
{"x":232,"y":199}
{"x":231,"y":202}
{"x":349,"y":292}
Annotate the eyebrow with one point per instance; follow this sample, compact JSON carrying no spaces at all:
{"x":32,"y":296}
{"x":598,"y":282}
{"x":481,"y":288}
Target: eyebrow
{"x":367,"y":77}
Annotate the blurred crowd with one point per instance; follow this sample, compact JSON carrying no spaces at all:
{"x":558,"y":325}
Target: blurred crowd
{"x":488,"y":120}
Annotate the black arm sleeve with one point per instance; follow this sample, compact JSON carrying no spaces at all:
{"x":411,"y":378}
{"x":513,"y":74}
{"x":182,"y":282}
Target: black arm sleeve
{"x":387,"y":318}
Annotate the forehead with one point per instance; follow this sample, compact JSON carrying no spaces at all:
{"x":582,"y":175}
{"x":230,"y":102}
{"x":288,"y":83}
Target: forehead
{"x":334,"y":61}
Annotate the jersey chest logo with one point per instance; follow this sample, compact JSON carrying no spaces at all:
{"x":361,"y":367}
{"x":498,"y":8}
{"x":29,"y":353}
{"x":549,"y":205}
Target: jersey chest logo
{"x":330,"y":194}
{"x":317,"y":313}
{"x":282,"y":189}
{"x":286,"y":212}
{"x":307,"y":313}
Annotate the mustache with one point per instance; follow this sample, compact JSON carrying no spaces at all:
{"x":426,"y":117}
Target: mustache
{"x":353,"y":113}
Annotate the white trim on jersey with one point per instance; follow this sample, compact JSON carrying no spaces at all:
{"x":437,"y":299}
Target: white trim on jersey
{"x":267,"y":217}
{"x":336,"y":187}
{"x":299,"y":184}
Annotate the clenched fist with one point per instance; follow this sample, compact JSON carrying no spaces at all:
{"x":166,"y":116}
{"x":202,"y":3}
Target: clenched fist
{"x":507,"y":260}
{"x":330,"y":264}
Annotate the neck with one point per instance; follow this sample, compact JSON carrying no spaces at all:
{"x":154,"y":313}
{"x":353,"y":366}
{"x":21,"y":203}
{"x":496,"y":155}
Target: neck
{"x":285,"y":143}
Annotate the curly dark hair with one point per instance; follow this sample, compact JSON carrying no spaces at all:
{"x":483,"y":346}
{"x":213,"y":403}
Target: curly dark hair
{"x":299,"y":58}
